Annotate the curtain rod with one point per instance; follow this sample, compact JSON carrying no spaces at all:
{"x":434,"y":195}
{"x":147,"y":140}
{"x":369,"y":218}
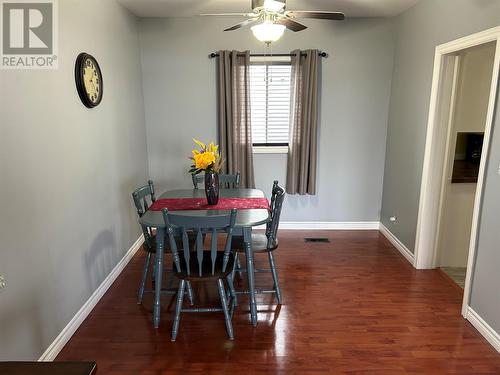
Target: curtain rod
{"x":320,"y":53}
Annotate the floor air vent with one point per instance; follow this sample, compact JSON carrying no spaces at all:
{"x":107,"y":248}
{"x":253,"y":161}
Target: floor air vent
{"x":320,"y":240}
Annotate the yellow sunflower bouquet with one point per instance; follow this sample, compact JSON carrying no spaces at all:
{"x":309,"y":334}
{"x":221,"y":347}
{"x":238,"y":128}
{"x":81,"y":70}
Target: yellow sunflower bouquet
{"x":207,"y":159}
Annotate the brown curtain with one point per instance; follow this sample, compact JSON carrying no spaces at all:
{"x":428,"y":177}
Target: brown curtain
{"x":235,"y":133}
{"x":303,"y":141}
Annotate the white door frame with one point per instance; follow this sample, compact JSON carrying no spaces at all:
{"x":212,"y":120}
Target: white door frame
{"x":447,"y":161}
{"x":425,"y":243}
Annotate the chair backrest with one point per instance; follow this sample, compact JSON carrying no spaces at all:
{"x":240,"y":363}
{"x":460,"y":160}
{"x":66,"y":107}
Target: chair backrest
{"x":277,"y":198}
{"x":143,"y":198}
{"x":178,"y":223}
{"x":226,"y":181}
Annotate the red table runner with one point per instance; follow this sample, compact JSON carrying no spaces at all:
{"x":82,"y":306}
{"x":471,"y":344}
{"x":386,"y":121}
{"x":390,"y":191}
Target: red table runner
{"x":181,"y":204}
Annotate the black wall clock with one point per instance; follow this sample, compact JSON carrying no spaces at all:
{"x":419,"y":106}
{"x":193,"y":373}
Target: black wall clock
{"x":88,"y":78}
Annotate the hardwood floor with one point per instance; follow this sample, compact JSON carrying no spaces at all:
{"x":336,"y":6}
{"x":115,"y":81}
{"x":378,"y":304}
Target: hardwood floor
{"x":350,"y":306}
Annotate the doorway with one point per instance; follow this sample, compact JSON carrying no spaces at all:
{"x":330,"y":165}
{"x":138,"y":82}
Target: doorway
{"x":454,"y":132}
{"x":473,"y":70}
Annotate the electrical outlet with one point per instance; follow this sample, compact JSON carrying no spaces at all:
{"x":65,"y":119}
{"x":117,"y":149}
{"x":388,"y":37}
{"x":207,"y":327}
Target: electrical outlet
{"x":393,"y":219}
{"x":2,"y":281}
{"x":499,"y":169}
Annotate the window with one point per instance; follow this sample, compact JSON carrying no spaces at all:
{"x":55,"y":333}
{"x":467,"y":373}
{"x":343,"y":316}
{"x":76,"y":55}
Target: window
{"x":270,"y":102}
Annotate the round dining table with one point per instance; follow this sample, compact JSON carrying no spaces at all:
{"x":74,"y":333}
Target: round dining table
{"x":246,"y":219}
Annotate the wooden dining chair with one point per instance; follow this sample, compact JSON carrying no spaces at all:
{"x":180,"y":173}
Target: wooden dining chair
{"x":226,"y":181}
{"x":262,"y":243}
{"x":201,"y":265}
{"x":144,"y":197}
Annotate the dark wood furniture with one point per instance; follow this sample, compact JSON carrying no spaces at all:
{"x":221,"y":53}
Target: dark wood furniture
{"x":465,"y":171}
{"x":468,"y":150}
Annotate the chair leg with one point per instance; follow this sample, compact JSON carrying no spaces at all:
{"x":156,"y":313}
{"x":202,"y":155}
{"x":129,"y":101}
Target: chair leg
{"x":189,"y":292}
{"x":223,"y":301}
{"x":230,"y":281}
{"x":275,"y":277}
{"x":235,"y":265}
{"x":153,"y":278}
{"x":144,"y":278}
{"x":238,"y":266}
{"x":178,"y":307}
{"x":234,"y":300}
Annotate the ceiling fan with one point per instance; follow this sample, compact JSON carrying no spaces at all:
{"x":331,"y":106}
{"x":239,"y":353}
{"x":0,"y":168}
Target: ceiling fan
{"x":269,"y":18}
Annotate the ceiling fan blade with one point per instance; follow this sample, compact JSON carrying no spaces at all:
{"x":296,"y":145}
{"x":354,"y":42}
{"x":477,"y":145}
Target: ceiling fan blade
{"x":291,"y":24}
{"x":323,"y":15}
{"x":241,"y":24}
{"x":229,"y":14}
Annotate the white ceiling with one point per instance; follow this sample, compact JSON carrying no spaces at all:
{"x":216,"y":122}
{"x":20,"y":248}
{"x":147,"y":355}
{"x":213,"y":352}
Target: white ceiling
{"x":186,"y":8}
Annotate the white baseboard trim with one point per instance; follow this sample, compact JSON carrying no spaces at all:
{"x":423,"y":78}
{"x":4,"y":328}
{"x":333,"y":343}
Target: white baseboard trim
{"x":397,"y":244}
{"x":484,"y":328}
{"x":330,"y":225}
{"x":53,"y":350}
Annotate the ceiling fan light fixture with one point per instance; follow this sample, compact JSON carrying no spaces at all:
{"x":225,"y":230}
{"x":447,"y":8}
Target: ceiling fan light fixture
{"x":268,"y":32}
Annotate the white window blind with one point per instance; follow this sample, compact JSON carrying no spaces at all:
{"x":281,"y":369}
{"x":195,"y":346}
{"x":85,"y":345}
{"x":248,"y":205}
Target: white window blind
{"x":270,"y":102}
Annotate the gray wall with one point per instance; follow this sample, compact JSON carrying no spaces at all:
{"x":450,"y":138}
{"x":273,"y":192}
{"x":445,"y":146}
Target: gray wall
{"x":66,"y":175}
{"x":485,"y":298}
{"x":179,"y":93}
{"x":418,"y":31}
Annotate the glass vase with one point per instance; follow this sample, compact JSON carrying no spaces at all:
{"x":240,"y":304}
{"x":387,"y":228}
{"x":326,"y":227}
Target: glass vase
{"x":212,"y":188}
